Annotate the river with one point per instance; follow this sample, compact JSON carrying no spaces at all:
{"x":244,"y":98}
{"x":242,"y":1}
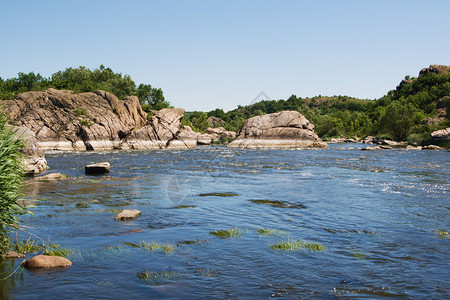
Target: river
{"x":382,"y":218}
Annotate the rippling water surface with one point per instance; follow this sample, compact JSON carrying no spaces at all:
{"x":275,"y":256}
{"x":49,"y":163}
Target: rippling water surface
{"x":381,"y":216}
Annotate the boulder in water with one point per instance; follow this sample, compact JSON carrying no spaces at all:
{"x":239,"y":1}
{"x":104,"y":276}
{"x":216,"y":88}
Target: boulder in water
{"x":47,"y":261}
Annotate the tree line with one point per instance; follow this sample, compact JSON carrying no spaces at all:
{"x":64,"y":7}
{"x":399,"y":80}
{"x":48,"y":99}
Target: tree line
{"x":401,"y":114}
{"x":81,"y":80}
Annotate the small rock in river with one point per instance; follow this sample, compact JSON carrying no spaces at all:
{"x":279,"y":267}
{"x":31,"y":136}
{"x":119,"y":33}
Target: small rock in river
{"x":13,"y":254}
{"x":100,"y":168}
{"x":127,"y":214}
{"x":52,"y":176}
{"x":47,"y":261}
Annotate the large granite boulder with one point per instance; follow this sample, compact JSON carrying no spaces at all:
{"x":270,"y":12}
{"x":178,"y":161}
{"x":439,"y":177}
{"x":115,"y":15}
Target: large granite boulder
{"x":161,"y":129}
{"x":285,"y":129}
{"x":441,"y":135}
{"x":34,"y":158}
{"x":62,"y":120}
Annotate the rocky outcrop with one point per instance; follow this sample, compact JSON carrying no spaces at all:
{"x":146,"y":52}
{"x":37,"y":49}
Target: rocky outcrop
{"x":371,"y":140}
{"x":441,"y":135}
{"x":435,"y":69}
{"x":62,"y":120}
{"x":214,"y":134}
{"x":34,"y":158}
{"x":186,"y":138}
{"x":215,"y":122}
{"x":285,"y":129}
{"x":46,"y":261}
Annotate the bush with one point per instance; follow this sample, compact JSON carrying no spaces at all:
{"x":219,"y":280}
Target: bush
{"x":11,"y":170}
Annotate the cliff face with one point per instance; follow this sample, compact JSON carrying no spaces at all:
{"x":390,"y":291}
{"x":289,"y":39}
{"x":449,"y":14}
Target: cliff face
{"x":285,"y":129}
{"x":62,"y":120}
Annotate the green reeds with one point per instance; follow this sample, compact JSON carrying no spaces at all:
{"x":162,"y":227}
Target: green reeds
{"x":232,"y":232}
{"x":297,"y":245}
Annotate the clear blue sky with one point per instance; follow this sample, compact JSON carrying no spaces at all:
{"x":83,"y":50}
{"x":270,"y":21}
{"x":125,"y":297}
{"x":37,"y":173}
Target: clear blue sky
{"x":220,"y":54}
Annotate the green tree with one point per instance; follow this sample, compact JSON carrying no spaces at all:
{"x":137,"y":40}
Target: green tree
{"x":398,"y":119}
{"x":151,"y":98}
{"x":199,"y":121}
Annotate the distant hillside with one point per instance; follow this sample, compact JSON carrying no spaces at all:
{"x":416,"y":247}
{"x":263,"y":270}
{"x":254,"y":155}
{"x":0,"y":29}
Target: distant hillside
{"x":412,"y":111}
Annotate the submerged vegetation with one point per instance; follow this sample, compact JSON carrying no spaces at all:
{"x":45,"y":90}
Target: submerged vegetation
{"x":277,"y":203}
{"x":269,"y":232}
{"x":30,"y":246}
{"x":167,"y":248}
{"x":296,"y":245}
{"x":232,"y":232}
{"x":218,"y":195}
{"x":155,"y":277}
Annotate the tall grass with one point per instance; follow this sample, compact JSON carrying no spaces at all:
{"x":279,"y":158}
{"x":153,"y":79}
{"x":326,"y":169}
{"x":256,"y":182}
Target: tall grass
{"x":11,"y":170}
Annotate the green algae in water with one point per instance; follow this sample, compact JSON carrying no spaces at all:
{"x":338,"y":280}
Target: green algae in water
{"x":182,"y":206}
{"x":270,"y":232}
{"x":442,"y":233}
{"x":82,"y":205}
{"x":297,"y":245}
{"x":232,"y":232}
{"x":276,"y":203}
{"x":155,"y":277}
{"x":207,"y":273}
{"x":218,"y":195}
{"x":191,"y":242}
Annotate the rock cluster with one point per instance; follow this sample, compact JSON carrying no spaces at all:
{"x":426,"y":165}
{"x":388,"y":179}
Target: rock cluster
{"x":62,"y":120}
{"x":285,"y":129}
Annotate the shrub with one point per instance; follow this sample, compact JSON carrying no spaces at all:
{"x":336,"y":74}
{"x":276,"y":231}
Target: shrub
{"x":11,"y":170}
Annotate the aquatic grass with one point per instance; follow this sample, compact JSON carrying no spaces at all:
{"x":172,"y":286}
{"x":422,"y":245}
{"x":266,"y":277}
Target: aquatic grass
{"x":206,"y":272}
{"x":132,"y":244}
{"x":297,"y":245}
{"x":361,"y":231}
{"x":82,"y":205}
{"x":182,"y":206}
{"x":26,"y":246}
{"x":113,"y":247}
{"x":276,"y":203}
{"x":108,"y":210}
{"x":358,"y":255}
{"x":442,"y":233}
{"x":218,"y":195}
{"x":191,"y":242}
{"x":155,"y":277}
{"x":167,"y":248}
{"x":56,"y":250}
{"x":270,"y":232}
{"x":232,"y":232}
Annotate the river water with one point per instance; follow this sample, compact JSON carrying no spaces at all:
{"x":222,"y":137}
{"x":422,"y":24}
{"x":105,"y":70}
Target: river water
{"x":382,"y":217}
